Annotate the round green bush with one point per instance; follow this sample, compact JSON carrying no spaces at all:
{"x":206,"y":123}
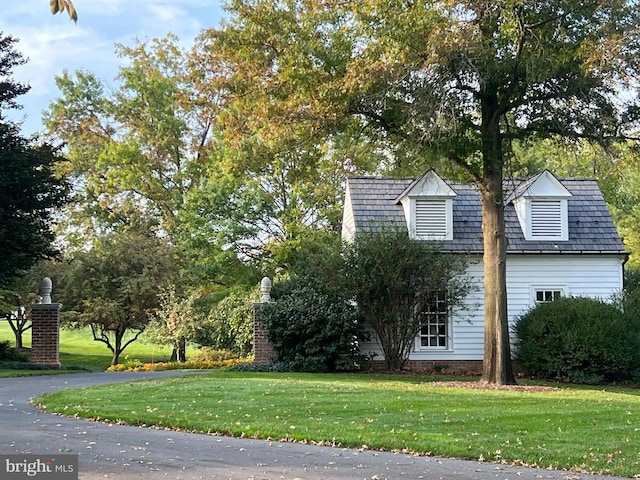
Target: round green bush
{"x":314,"y":329}
{"x":579,"y":340}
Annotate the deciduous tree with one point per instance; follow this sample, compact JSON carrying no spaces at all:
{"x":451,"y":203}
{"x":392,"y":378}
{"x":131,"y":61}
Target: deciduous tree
{"x":394,"y":279}
{"x":114,"y":287}
{"x":461,"y":79}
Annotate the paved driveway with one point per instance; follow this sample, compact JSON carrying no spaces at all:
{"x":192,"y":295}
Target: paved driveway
{"x":132,"y":453}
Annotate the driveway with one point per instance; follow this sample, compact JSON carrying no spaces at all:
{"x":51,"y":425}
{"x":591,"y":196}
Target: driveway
{"x":136,"y":453}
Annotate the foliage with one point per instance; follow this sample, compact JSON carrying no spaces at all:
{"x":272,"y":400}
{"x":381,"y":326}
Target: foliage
{"x":393,"y":278}
{"x":17,"y":313}
{"x":173,"y":323}
{"x":229,"y":325}
{"x":8,"y":353}
{"x":313,"y":328}
{"x":458,"y":80}
{"x":207,"y":361}
{"x":114,"y":287}
{"x":29,"y":187}
{"x":134,"y":152}
{"x":59,"y":6}
{"x":208,"y":354}
{"x":580,"y":340}
{"x":261,"y":367}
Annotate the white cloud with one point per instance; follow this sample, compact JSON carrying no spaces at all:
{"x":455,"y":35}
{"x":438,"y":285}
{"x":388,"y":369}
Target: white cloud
{"x":54,"y":43}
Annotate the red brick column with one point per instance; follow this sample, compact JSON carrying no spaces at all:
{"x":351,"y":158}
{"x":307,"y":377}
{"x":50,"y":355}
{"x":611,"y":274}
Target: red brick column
{"x":45,"y":334}
{"x":262,"y":348}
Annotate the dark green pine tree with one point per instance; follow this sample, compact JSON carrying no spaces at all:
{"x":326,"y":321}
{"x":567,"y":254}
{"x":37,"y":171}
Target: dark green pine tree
{"x":30,"y":191}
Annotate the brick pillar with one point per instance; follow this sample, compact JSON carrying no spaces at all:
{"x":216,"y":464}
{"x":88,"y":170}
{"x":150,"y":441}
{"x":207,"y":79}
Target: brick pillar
{"x":262,"y":349}
{"x":45,"y":334}
{"x":45,"y":329}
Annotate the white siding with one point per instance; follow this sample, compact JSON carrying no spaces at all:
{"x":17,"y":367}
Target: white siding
{"x":348,"y":221}
{"x":596,"y":276}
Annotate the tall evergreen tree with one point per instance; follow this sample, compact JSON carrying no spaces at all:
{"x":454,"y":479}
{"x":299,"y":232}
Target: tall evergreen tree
{"x":30,"y":191}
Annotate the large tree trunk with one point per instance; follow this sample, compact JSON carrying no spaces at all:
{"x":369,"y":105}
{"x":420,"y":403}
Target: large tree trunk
{"x":497,"y":367}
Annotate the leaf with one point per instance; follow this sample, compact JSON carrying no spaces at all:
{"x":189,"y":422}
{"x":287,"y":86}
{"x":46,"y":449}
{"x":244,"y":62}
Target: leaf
{"x":73,"y":14}
{"x":58,"y":6}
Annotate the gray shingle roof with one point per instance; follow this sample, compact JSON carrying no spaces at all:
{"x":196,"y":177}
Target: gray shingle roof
{"x":591,"y":228}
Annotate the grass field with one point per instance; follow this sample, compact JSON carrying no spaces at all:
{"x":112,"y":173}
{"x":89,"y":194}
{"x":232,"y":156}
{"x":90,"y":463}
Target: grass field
{"x":78,"y":349}
{"x":575,"y":428}
{"x":593,"y":430}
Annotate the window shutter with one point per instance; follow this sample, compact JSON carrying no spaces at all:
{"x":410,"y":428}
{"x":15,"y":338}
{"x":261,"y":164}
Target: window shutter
{"x":546,"y":218}
{"x":431,"y":218}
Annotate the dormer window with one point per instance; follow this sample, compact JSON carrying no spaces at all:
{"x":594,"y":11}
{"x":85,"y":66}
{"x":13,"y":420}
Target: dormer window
{"x":428,"y":208}
{"x":542,"y":204}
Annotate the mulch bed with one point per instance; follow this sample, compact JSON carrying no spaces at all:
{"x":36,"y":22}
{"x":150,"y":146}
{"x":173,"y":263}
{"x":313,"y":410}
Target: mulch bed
{"x":491,"y":386}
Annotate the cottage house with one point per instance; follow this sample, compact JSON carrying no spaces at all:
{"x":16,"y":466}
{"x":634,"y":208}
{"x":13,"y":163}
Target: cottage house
{"x":561,"y":242}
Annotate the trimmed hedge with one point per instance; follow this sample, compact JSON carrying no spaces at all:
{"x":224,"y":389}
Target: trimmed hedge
{"x":578,"y":340}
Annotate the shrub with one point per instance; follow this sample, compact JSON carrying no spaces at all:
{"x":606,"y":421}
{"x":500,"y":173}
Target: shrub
{"x":208,"y":354}
{"x":260,"y":367}
{"x":393,"y":278}
{"x":579,"y":340}
{"x":11,"y":354}
{"x":313,"y":329}
{"x":229,"y":325}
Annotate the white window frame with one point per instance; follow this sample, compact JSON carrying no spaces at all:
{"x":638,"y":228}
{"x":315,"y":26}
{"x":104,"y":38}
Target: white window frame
{"x":446,"y":336}
{"x":552,"y":289}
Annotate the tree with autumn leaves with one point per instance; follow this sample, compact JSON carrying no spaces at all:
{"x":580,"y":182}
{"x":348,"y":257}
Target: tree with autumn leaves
{"x":458,"y":80}
{"x":295,"y":94}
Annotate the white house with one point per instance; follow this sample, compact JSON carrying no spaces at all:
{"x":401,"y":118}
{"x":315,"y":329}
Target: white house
{"x":561,"y":242}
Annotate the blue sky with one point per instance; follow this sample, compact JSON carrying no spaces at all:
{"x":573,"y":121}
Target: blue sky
{"x":54,"y":43}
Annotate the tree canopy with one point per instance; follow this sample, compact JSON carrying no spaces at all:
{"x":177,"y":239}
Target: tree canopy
{"x":446,"y":79}
{"x":115,"y":286}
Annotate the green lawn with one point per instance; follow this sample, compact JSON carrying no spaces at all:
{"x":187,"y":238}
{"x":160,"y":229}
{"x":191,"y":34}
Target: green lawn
{"x":78,"y":349}
{"x":594,"y":430}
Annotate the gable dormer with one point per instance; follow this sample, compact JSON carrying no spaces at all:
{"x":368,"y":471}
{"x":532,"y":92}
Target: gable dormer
{"x":542,"y":205}
{"x":428,"y":207}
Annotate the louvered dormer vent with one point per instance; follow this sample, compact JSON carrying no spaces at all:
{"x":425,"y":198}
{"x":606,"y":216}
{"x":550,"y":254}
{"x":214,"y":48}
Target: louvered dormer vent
{"x":431,"y":218}
{"x":541,"y":203}
{"x":546,"y":219}
{"x":428,"y":208}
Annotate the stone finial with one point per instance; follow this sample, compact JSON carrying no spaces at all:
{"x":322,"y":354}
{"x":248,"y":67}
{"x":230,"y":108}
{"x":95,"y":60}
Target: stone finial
{"x":45,"y":290}
{"x":265,"y":288}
